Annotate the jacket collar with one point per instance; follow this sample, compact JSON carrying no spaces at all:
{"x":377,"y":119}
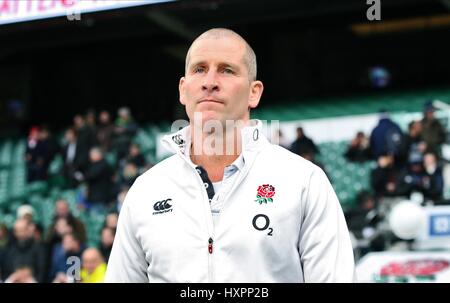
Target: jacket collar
{"x":252,"y":136}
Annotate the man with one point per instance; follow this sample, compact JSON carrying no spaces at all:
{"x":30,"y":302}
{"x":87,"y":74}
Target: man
{"x":70,"y":247}
{"x":386,"y":138}
{"x":94,"y":266}
{"x":304,"y":146}
{"x":23,"y":252}
{"x":98,"y":178}
{"x":105,"y":131}
{"x":23,"y":274}
{"x":85,"y":141}
{"x":255,"y":213}
{"x":433,"y":132}
{"x":62,"y":210}
{"x":72,"y":157}
{"x":35,"y":155}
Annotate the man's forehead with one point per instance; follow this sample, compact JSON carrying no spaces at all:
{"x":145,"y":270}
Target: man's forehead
{"x":226,"y":48}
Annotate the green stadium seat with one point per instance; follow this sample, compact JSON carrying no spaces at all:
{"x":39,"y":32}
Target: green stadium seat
{"x":8,"y":220}
{"x":37,"y":187}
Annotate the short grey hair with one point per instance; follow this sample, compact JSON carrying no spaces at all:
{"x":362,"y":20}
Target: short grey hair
{"x":217,"y":33}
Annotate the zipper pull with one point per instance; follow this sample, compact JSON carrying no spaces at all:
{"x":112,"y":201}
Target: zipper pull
{"x":210,"y":245}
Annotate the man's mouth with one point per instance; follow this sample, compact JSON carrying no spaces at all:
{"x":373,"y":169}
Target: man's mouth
{"x":210,"y":101}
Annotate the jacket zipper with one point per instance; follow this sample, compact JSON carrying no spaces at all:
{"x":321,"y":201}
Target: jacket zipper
{"x":210,"y":246}
{"x":210,"y":261}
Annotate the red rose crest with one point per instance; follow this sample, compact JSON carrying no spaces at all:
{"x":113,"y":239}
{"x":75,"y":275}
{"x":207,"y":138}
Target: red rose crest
{"x":265,"y":193}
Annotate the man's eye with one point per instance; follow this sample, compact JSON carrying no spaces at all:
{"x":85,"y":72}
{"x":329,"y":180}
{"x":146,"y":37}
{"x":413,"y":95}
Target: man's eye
{"x":199,"y":70}
{"x":228,"y":71}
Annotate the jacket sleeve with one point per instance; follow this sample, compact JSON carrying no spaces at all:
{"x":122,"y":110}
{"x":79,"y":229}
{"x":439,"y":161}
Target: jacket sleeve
{"x":127,"y":263}
{"x":325,"y":248}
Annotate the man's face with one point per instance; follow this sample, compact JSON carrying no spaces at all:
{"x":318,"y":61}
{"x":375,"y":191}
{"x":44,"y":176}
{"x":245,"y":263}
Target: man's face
{"x":95,"y":156}
{"x":70,"y":136}
{"x":91,"y":261}
{"x":104,"y":117}
{"x":70,"y":244}
{"x":429,"y":160}
{"x":21,"y":230}
{"x":62,"y":209}
{"x":217,"y":83}
{"x":107,"y":237}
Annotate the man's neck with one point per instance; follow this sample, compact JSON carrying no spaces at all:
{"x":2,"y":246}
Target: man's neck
{"x":214,"y":160}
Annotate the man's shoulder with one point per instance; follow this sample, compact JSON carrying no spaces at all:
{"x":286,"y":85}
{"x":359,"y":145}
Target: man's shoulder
{"x":165,"y":166}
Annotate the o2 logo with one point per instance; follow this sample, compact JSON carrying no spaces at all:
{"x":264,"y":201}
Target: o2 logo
{"x":261,"y":222}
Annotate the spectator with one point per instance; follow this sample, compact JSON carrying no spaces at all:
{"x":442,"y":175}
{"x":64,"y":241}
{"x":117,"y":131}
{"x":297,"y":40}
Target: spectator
{"x":62,"y":210}
{"x":434,"y":180}
{"x":125,"y":129}
{"x":106,"y":243}
{"x":359,"y":150}
{"x":91,"y":120}
{"x":362,"y":222}
{"x":135,"y":156}
{"x":85,"y":141}
{"x":58,"y":230}
{"x":433,"y":132}
{"x":128,"y":175}
{"x":70,"y":247}
{"x":304,"y":146}
{"x":412,"y":179}
{"x":105,"y":131}
{"x":25,"y":212}
{"x":35,"y":157}
{"x":61,"y":277}
{"x":111,"y":220}
{"x":72,"y":156}
{"x":414,"y":146}
{"x":50,"y":145}
{"x":98,"y":179}
{"x":23,"y":251}
{"x":386,"y":138}
{"x":384,"y":177}
{"x":424,"y":176}
{"x":55,"y":235}
{"x":121,"y":198}
{"x":93,"y":266}
{"x":23,"y":274}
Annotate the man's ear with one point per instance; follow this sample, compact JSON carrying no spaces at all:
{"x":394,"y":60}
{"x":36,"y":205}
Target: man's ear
{"x":181,"y":89}
{"x":256,"y":90}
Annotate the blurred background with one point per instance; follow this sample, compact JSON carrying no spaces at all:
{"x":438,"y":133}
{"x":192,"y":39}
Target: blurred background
{"x":87,"y":89}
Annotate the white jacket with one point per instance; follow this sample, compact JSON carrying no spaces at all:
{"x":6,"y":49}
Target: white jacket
{"x":165,"y":224}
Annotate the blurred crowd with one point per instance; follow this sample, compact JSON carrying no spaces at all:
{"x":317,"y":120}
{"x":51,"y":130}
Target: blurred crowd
{"x":83,"y":149}
{"x":28,"y":253}
{"x":59,"y":256}
{"x":409,"y":166}
{"x":407,"y":163}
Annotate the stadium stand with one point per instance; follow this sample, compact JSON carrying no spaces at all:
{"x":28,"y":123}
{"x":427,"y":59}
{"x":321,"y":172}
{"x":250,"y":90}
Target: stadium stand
{"x":347,"y":178}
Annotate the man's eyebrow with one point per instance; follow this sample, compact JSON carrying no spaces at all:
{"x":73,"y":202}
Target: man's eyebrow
{"x":227,"y":64}
{"x":196,"y":63}
{"x":221,"y":64}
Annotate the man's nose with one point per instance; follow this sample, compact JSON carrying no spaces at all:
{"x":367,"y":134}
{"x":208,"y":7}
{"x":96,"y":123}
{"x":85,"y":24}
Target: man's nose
{"x":210,"y":83}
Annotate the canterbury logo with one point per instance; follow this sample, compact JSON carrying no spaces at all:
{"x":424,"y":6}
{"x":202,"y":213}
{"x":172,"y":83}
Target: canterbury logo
{"x":162,"y":207}
{"x":178,"y":139}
